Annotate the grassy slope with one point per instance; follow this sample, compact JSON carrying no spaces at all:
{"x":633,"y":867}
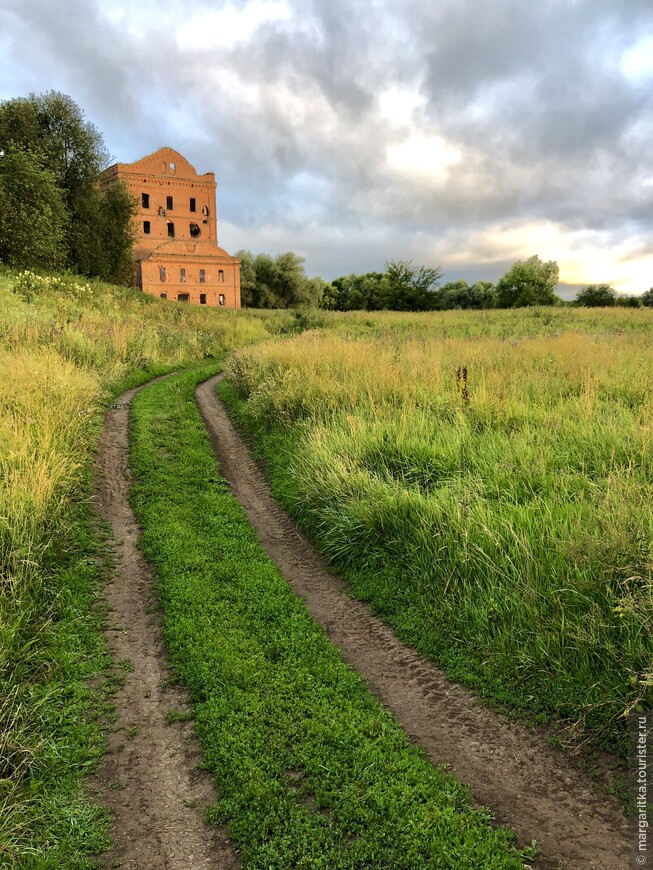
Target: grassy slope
{"x":64,"y":354}
{"x":507,"y":535}
{"x":311,"y":770}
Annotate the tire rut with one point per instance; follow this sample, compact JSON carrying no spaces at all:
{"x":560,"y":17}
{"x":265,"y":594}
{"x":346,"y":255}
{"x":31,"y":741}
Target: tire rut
{"x":149,"y":779}
{"x":528,"y":786}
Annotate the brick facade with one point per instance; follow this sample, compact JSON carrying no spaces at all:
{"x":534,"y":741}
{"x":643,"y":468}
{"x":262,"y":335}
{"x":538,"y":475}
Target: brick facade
{"x":176,"y":245}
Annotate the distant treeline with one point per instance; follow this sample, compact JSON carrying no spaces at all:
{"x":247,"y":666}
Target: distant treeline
{"x":281,"y":282}
{"x":53,"y":212}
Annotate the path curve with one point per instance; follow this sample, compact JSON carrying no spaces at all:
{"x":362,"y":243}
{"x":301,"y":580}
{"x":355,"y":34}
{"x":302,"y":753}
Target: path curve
{"x":529,"y":787}
{"x":149,"y":778}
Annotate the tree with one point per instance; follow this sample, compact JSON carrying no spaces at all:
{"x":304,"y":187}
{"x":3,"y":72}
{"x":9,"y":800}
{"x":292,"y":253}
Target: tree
{"x":52,"y":129}
{"x":281,"y":282}
{"x":33,"y":215}
{"x":528,"y":282}
{"x":247,"y":278}
{"x":596,"y":296}
{"x":458,"y":294}
{"x":647,"y":298}
{"x":411,"y":288}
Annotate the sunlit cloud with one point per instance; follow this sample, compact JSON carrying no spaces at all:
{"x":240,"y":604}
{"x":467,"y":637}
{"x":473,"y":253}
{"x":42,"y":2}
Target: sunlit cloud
{"x":427,"y":157}
{"x":209,"y":29}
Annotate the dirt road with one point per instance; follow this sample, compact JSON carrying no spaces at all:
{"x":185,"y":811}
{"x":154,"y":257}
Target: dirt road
{"x":529,"y":787}
{"x":149,"y":778}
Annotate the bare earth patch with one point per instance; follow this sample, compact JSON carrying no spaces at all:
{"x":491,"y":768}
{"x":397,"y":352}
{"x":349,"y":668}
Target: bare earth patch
{"x":528,"y":786}
{"x":149,"y":779}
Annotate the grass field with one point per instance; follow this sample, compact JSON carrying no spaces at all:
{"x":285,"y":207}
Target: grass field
{"x":485,"y":480}
{"x":67,"y":347}
{"x":311,"y":770}
{"x":502,"y":523}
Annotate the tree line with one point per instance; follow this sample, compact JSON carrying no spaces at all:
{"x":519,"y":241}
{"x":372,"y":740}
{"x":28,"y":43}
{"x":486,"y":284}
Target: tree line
{"x":53,"y":212}
{"x":267,"y":282}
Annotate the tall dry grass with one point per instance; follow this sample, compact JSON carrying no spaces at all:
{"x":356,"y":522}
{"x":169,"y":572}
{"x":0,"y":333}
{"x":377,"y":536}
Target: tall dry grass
{"x":493,"y":496}
{"x":66,"y":346}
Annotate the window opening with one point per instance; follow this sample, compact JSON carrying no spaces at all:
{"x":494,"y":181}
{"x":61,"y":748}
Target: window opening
{"x":169,"y":204}
{"x":182,"y":275}
{"x":202,"y":298}
{"x":221,"y":276}
{"x":193,"y":204}
{"x":163,"y":295}
{"x":202,"y":276}
{"x":146,"y":227}
{"x":183,"y":297}
{"x":195,"y":231}
{"x":162,"y":211}
{"x":173,"y":167}
{"x":171,"y":229}
{"x":221,"y":299}
{"x":145,"y":200}
{"x":162,"y":273}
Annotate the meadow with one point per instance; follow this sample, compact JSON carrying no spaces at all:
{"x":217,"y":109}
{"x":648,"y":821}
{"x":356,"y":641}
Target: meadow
{"x":485,"y":481}
{"x":67,"y":347}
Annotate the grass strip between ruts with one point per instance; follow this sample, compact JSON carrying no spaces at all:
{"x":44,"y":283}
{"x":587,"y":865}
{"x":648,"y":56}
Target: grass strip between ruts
{"x":310,"y":769}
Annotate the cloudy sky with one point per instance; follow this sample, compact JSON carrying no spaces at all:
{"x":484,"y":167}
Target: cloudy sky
{"x":460,"y":133}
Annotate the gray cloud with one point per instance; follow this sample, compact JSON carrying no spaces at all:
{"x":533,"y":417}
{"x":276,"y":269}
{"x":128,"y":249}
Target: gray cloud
{"x":533,"y":96}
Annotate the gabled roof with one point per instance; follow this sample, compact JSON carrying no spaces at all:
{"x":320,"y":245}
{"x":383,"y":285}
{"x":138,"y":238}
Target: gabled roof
{"x":153,"y":164}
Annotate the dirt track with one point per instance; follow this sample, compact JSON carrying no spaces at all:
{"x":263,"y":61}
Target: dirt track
{"x":149,"y":778}
{"x":528,"y":786}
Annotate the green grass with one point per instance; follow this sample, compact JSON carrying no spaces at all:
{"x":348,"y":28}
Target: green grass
{"x":311,"y":771}
{"x":67,"y":348}
{"x":504,"y":529}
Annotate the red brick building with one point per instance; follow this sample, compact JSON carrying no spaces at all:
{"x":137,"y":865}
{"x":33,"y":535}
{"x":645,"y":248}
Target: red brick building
{"x":176,"y":247}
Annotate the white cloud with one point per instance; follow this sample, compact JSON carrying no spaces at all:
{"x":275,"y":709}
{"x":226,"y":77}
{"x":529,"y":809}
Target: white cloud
{"x":428,"y":157}
{"x":637,"y":62}
{"x":223,"y":28}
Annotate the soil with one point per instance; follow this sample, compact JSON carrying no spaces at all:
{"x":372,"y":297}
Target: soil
{"x":528,"y":786}
{"x":149,"y":779}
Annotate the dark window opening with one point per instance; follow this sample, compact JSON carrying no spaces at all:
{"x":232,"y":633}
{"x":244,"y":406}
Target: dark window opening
{"x":146,"y":227}
{"x":202,"y":276}
{"x":221,"y":276}
{"x":171,"y":229}
{"x":169,"y":203}
{"x":193,"y":204}
{"x":163,"y":295}
{"x":183,"y":297}
{"x":221,"y":299}
{"x":202,"y":298}
{"x":145,"y":200}
{"x":162,"y":273}
{"x":195,"y":231}
{"x":182,"y":275}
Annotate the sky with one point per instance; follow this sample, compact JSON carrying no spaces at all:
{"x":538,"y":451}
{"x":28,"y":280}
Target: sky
{"x":465,"y":134}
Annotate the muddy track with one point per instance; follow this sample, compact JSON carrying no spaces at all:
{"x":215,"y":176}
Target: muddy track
{"x":149,"y":779}
{"x":528,"y":786}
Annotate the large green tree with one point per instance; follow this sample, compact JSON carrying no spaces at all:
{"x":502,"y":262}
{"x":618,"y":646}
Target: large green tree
{"x":528,"y":282}
{"x":51,"y":130}
{"x":33,"y":215}
{"x":459,"y":294}
{"x":412,"y":288}
{"x":596,"y":296}
{"x":277,"y":282}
